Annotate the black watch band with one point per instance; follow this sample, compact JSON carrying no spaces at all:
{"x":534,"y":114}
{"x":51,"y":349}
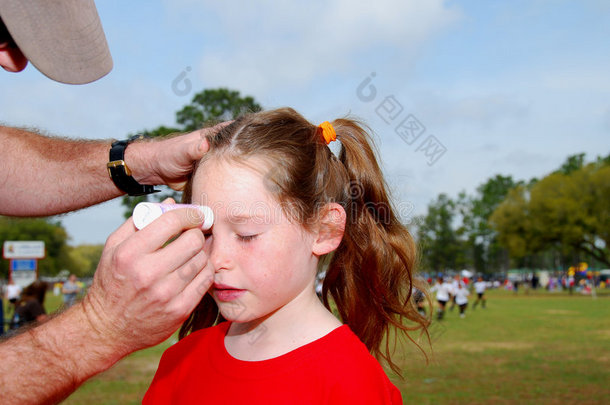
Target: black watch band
{"x":120,"y":173}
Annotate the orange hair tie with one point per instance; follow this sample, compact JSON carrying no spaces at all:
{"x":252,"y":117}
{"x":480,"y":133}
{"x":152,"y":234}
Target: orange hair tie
{"x":328,"y":132}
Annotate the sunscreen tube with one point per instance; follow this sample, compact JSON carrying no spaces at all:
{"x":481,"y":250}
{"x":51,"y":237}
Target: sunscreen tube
{"x":146,"y":212}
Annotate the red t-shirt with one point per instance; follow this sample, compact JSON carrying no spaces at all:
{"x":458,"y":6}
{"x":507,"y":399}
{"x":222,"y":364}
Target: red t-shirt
{"x":335,"y":369}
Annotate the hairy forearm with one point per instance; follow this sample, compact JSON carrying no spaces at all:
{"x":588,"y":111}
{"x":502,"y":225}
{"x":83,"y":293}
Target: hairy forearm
{"x":45,"y":176}
{"x":60,"y":355}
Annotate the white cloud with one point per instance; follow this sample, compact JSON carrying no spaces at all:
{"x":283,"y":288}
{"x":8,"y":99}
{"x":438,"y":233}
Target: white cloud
{"x":273,"y":45}
{"x":578,"y":77}
{"x":481,"y":112}
{"x":101,"y":110}
{"x":521,"y":118}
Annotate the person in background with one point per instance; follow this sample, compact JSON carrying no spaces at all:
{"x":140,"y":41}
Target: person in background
{"x":13,"y":292}
{"x":420,"y":301}
{"x":455,"y":283}
{"x":57,"y":288}
{"x":30,"y":307}
{"x":479,"y":287}
{"x":461,"y":298}
{"x":144,"y":287}
{"x":571,"y":281}
{"x":70,"y":290}
{"x":443,"y":294}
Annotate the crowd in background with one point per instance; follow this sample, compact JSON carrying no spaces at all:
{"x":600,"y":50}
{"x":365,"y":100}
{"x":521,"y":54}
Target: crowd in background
{"x":22,"y":306}
{"x":459,"y":289}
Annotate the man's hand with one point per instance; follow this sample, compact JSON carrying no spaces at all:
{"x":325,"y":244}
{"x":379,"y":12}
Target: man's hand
{"x":169,"y":161}
{"x":144,"y":289}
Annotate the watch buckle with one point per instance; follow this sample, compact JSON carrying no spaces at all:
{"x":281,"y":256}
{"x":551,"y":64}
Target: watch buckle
{"x":117,"y":163}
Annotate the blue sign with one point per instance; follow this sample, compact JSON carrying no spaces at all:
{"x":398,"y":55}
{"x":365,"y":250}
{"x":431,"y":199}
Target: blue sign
{"x":23,"y":264}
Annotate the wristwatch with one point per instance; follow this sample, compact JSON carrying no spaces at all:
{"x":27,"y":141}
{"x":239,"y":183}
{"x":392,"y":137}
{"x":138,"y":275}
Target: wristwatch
{"x":120,"y":173}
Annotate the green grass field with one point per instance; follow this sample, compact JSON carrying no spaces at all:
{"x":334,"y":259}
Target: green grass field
{"x":541,"y":348}
{"x":537,"y":349}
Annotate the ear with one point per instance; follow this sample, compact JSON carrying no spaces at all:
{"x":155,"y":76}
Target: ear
{"x":330,"y":229}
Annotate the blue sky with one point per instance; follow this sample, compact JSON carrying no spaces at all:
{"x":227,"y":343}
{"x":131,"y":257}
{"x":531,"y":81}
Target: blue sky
{"x":495,"y":87}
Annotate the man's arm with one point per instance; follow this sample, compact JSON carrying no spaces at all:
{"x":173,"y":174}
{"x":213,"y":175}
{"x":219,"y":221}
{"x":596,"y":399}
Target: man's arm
{"x":140,"y":295}
{"x":44,"y":176}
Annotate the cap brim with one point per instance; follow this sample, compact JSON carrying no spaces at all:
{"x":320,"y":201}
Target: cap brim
{"x":63,"y":39}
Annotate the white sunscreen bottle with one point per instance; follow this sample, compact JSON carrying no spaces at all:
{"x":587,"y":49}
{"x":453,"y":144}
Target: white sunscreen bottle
{"x":146,"y":212}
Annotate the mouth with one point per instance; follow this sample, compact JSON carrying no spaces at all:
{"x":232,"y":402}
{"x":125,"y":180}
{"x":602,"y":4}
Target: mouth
{"x":223,"y":292}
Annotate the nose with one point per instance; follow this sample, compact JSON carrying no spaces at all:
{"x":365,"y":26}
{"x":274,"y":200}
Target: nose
{"x":221,"y":255}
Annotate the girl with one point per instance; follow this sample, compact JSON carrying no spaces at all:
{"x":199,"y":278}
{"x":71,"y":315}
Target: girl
{"x":443,"y":291}
{"x":461,"y":298}
{"x":283,"y":202}
{"x":480,"y":287}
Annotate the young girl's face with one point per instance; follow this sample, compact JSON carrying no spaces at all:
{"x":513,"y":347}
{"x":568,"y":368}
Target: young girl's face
{"x":263,"y":262}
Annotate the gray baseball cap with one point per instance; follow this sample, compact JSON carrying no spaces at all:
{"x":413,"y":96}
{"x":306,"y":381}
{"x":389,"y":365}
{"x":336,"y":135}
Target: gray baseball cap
{"x":64,"y":39}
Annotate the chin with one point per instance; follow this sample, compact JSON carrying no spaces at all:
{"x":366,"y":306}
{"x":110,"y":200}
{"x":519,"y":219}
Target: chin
{"x":234,"y":311}
{"x":239,"y":313}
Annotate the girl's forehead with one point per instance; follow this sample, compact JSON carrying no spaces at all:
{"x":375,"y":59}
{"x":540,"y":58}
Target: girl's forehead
{"x":228,"y":181}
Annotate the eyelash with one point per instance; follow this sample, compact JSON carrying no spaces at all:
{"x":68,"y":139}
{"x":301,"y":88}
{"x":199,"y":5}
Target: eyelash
{"x":241,"y":238}
{"x":246,"y":238}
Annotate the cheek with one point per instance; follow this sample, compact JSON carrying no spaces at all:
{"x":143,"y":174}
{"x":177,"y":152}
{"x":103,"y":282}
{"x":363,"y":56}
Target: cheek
{"x":267,"y":266}
{"x":280,"y":264}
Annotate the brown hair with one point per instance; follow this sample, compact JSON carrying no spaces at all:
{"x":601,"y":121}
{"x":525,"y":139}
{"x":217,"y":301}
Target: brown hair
{"x":37,"y":290}
{"x":370,"y":276}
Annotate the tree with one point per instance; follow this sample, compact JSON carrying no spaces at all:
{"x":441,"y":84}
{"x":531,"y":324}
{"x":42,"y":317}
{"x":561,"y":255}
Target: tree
{"x":48,"y":230}
{"x":510,"y":220}
{"x":572,"y":164}
{"x":214,"y":105}
{"x":569,"y":209}
{"x":441,"y":248}
{"x":207,"y":108}
{"x":487,"y":254}
{"x":85,"y":259}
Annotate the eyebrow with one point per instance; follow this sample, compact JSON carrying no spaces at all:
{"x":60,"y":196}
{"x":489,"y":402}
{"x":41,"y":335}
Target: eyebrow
{"x":241,"y":218}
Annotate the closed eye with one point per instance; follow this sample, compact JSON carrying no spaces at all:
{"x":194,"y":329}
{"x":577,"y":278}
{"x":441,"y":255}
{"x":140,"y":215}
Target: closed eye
{"x":246,"y":238}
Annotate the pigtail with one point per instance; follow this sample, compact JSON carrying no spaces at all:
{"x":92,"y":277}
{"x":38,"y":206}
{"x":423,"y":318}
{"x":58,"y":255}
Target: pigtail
{"x":371,"y":275}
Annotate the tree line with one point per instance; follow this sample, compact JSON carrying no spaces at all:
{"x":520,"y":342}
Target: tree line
{"x":552,"y":223}
{"x":81,"y":260}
